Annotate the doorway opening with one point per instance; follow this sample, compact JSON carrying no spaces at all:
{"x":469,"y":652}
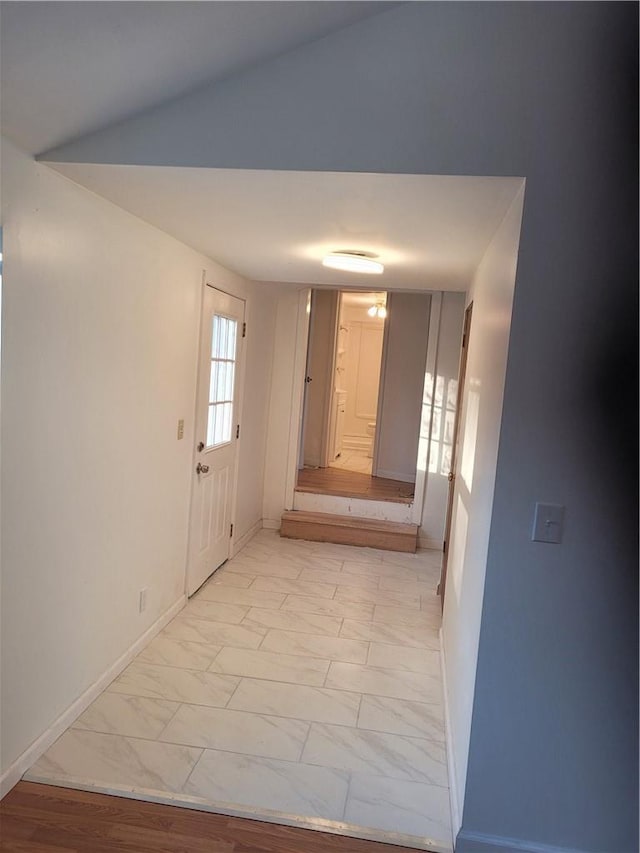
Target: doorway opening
{"x":357,"y":359}
{"x":364,"y":383}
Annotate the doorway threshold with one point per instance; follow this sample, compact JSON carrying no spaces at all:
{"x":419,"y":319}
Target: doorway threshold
{"x":353,"y":484}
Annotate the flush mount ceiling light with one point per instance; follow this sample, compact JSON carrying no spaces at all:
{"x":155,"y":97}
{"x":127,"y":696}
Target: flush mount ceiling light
{"x":351,"y":261}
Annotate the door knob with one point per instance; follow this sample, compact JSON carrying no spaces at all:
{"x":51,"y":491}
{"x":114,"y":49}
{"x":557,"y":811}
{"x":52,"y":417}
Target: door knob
{"x":451,"y":476}
{"x":201,"y":469}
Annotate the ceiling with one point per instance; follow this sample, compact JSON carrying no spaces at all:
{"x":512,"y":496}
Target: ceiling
{"x":68,"y":68}
{"x":430,"y":231}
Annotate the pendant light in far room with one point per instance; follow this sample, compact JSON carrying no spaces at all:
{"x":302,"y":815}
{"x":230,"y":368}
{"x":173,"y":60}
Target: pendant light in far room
{"x":377,"y":310}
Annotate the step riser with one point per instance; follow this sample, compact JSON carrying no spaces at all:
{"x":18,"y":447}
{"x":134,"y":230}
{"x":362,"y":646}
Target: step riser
{"x":323,"y":530}
{"x":361,"y":507}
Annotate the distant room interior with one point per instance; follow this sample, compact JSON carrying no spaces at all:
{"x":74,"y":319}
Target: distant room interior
{"x":363,"y":346}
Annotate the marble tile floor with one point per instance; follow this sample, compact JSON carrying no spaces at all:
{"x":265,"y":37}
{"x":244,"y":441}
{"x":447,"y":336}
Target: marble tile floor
{"x":300,"y":685}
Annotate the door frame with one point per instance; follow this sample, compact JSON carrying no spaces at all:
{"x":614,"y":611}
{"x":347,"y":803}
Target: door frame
{"x":462,"y":372}
{"x":429,"y":394}
{"x":330,"y":393}
{"x":297,"y":396}
{"x":241,"y":365}
{"x":381,"y":387}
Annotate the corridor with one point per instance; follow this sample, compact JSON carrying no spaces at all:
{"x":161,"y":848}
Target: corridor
{"x":301,"y":685}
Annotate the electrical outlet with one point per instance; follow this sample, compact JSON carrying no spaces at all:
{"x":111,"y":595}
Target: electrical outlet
{"x":142,"y":600}
{"x":180,"y":429}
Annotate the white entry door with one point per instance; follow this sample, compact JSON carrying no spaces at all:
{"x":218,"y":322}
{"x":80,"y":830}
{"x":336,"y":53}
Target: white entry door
{"x":216,"y":435}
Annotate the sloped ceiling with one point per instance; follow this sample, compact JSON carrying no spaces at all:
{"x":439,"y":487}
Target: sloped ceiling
{"x":70,"y":68}
{"x":267,"y":163}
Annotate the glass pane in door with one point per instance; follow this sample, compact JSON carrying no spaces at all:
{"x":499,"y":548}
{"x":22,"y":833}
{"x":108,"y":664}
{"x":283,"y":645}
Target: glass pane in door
{"x":221,"y":380}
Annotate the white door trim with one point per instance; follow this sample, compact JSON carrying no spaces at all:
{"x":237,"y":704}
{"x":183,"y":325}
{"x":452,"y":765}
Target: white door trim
{"x":297,"y":395}
{"x":424,"y":441}
{"x":241,"y":359}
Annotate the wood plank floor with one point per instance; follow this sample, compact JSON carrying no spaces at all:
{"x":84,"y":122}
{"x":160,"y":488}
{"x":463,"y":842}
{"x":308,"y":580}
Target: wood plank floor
{"x":45,"y":819}
{"x":352,"y":484}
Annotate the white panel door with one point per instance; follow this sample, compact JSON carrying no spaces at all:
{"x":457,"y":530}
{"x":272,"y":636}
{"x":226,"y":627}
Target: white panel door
{"x":318,"y":380}
{"x":216,"y":438}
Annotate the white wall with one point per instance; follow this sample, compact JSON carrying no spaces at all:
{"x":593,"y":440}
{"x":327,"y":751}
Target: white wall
{"x":491,"y":294}
{"x":261,"y":320}
{"x":434,"y":508}
{"x":286,"y":398}
{"x":546,"y":91}
{"x":100,"y":327}
{"x":403,"y":377}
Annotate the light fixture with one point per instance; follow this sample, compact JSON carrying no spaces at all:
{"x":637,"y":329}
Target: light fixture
{"x":377,"y":310}
{"x":352,"y":261}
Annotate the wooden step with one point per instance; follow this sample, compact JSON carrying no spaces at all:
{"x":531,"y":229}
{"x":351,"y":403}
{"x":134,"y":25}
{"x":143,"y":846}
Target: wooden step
{"x":347,"y":530}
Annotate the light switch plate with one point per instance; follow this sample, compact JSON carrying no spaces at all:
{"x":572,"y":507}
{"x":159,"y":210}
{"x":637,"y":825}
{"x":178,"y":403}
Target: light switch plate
{"x":548,"y":521}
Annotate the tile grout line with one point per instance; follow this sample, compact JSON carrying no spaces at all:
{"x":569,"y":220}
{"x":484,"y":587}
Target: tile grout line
{"x":347,"y":795}
{"x":306,"y":740}
{"x":363,"y":732}
{"x":158,"y":738}
{"x":195,"y":764}
{"x":235,"y":689}
{"x":357,"y":725}
{"x":364,"y":586}
{"x":238,"y":751}
{"x":324,"y":683}
{"x":164,"y":666}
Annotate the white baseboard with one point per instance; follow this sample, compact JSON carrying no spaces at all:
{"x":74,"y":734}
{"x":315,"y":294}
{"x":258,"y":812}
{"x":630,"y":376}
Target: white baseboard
{"x":238,"y":545}
{"x":478,"y":842}
{"x":430,"y":544}
{"x":15,"y":771}
{"x":271,"y":523}
{"x":395,"y":475}
{"x":456,"y":817}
